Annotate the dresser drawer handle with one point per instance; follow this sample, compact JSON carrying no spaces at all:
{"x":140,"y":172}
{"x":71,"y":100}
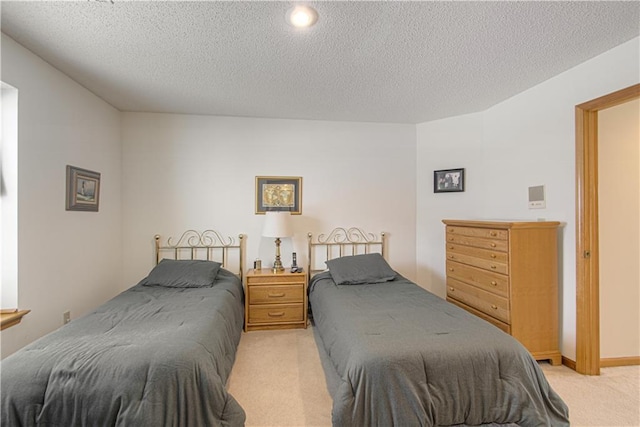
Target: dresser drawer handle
{"x":278,"y":295}
{"x":494,"y":283}
{"x":451,"y":247}
{"x":493,"y":233}
{"x":493,"y":255}
{"x":493,"y":245}
{"x":452,"y":290}
{"x":276,"y":314}
{"x":495,"y":307}
{"x":450,"y":269}
{"x":451,"y":257}
{"x":493,"y":267}
{"x":451,"y":239}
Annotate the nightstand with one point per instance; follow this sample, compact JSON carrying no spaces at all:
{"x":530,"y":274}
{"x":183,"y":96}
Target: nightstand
{"x":275,"y":300}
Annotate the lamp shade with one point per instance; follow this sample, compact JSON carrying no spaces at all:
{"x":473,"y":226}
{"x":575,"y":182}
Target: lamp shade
{"x":277,"y":224}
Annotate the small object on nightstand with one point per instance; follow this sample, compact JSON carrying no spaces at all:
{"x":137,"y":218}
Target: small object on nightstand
{"x":294,"y":265}
{"x":257,"y":264}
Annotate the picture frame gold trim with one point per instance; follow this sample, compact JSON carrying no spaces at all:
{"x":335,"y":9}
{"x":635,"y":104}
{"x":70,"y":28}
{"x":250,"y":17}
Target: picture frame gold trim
{"x":83,"y":190}
{"x":279,"y":194}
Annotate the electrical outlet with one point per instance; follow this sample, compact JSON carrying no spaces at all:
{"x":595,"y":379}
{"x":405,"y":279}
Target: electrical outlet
{"x":66,"y":317}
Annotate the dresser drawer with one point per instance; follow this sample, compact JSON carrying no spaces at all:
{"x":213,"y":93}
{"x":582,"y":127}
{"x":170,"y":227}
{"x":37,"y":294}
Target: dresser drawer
{"x":493,"y":282}
{"x":486,"y":302}
{"x":485,"y":233}
{"x":276,"y":313}
{"x":478,"y":242}
{"x":495,"y":322}
{"x":276,"y":294}
{"x":488,"y":254}
{"x":479,"y":262}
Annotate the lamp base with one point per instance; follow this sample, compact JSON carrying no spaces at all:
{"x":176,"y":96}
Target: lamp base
{"x":277,"y":264}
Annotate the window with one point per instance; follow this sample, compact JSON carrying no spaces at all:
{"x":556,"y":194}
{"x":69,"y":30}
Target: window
{"x":9,"y":198}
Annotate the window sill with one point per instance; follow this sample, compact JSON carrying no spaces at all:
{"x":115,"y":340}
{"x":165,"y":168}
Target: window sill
{"x":11,"y":319}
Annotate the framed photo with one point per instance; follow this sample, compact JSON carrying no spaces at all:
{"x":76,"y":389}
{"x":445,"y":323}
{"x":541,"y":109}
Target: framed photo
{"x":448,"y":180}
{"x":83,"y":189}
{"x":279,"y":193}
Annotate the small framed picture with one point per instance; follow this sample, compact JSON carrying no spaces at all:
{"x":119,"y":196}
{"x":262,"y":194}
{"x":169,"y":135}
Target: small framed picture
{"x":279,"y":193}
{"x":448,"y":180}
{"x":83,"y":189}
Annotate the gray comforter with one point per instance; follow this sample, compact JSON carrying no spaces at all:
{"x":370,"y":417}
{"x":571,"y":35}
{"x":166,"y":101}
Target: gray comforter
{"x":151,"y":356}
{"x":408,"y":358}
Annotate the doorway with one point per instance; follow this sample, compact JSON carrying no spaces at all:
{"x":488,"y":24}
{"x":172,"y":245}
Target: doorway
{"x":587,"y":254}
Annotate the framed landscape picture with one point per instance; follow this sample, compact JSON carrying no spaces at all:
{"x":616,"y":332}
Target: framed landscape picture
{"x":448,"y":180}
{"x":83,"y":189}
{"x":279,"y":193}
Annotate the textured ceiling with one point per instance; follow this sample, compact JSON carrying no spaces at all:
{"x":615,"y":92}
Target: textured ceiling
{"x":401,"y":62}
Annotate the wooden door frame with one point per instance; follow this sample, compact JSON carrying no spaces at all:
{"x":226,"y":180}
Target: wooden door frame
{"x":587,"y":253}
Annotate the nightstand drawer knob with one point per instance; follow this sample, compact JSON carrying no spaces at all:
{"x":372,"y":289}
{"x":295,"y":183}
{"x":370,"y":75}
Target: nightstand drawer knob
{"x":451,"y":256}
{"x":493,"y":267}
{"x":493,"y":255}
{"x":452,"y":290}
{"x":278,"y":295}
{"x":495,"y":307}
{"x":451,"y":269}
{"x":493,"y":245}
{"x":493,"y":233}
{"x":494,"y":283}
{"x":276,"y":314}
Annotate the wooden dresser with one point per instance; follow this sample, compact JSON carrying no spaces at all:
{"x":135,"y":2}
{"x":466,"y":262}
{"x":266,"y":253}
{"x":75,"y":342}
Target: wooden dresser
{"x":507,"y":274}
{"x":275,"y":300}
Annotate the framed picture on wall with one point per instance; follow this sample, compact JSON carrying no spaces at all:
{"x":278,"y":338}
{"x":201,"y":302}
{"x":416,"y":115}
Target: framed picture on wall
{"x":448,"y":180}
{"x":279,"y":193}
{"x":83,"y":189}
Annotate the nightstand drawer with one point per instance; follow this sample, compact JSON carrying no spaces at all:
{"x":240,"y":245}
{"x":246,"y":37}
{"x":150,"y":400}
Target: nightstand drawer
{"x":275,"y":279}
{"x":276,"y":294}
{"x":276,"y":313}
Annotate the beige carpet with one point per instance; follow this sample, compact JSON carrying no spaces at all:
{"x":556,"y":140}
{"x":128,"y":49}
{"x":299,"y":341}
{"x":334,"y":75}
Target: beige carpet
{"x":279,"y":381}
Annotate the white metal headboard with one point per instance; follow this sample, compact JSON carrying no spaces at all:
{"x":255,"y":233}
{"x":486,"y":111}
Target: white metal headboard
{"x":208,"y":245}
{"x":342,"y":242}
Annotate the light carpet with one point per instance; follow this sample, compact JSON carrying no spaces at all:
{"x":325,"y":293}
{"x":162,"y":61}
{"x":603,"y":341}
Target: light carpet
{"x":279,"y":380}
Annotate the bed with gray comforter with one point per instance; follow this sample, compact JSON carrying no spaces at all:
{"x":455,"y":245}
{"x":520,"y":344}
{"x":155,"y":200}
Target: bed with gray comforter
{"x":151,"y":356}
{"x":406,"y":357}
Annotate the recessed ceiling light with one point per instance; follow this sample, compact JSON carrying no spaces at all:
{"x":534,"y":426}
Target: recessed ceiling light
{"x":302,"y":16}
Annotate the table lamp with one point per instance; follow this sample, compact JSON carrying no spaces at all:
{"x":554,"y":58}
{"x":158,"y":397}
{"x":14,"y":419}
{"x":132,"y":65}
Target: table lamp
{"x":277,"y":224}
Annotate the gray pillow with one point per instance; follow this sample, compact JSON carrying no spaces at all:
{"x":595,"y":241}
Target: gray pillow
{"x":359,"y":269}
{"x":173,"y":273}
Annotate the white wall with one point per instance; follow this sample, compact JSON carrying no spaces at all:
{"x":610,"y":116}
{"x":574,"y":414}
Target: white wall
{"x":619,"y":229}
{"x":198,"y":172}
{"x":175,"y":172}
{"x":526,"y":140}
{"x":66,"y":260}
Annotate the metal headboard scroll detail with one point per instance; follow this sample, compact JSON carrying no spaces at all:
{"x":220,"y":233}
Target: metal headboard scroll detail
{"x":207,"y":243}
{"x":349,"y":241}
